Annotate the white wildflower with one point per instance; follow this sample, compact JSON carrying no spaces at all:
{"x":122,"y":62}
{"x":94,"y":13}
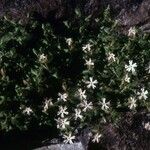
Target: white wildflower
{"x":111,"y":57}
{"x":78,"y":114}
{"x":143,"y":94}
{"x":105,"y":105}
{"x":127,"y":78}
{"x":97,"y":137}
{"x":62,"y":123}
{"x":59,"y":121}
{"x":27,"y":111}
{"x":82,"y":94}
{"x":89,"y":63}
{"x":47,"y":104}
{"x":131,"y":67}
{"x":68,"y":138}
{"x":87,"y":48}
{"x":43,"y":58}
{"x":62,"y":97}
{"x":97,"y":19}
{"x":91,"y":83}
{"x":132,"y":32}
{"x":69,"y":41}
{"x":103,"y":120}
{"x":62,"y":111}
{"x":132,"y":103}
{"x":147,"y":126}
{"x":86,"y":106}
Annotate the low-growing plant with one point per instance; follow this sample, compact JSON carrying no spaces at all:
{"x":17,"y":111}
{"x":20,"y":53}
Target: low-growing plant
{"x":85,"y":77}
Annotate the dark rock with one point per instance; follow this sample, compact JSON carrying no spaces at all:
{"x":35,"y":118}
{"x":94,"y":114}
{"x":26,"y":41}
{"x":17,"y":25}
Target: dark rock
{"x":137,"y":15}
{"x":128,"y":12}
{"x":84,"y":137}
{"x":129,"y":134}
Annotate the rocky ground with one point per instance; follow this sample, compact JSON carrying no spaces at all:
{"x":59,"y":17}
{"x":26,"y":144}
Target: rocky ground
{"x":128,"y":12}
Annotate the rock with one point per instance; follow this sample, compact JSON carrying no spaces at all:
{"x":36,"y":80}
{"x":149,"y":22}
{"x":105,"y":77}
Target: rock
{"x":74,"y":146}
{"x":84,"y":137}
{"x":137,"y":15}
{"x":129,"y":133}
{"x":128,"y":12}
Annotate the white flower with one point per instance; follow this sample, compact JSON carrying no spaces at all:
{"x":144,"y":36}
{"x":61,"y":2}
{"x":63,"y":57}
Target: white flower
{"x":105,"y":106}
{"x":131,"y":67}
{"x":143,"y":94}
{"x":62,"y":97}
{"x":27,"y":111}
{"x":78,"y":114}
{"x":103,"y":120}
{"x":62,"y":123}
{"x":127,"y":78}
{"x":91,"y":83}
{"x":147,"y":126}
{"x":62,"y":111}
{"x":47,"y":104}
{"x":59,"y":121}
{"x":97,"y":137}
{"x":42,"y":58}
{"x":132,"y":31}
{"x":68,"y":138}
{"x":96,"y":19}
{"x":82,"y":94}
{"x":86,"y":105}
{"x":69,"y":41}
{"x":111,"y":57}
{"x":89,"y":63}
{"x":132,"y":103}
{"x":87,"y":48}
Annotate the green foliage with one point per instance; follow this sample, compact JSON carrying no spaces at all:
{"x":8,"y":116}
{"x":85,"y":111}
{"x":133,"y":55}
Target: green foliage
{"x":36,"y":64}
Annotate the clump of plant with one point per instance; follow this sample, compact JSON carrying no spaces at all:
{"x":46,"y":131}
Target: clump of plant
{"x":88,"y":77}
